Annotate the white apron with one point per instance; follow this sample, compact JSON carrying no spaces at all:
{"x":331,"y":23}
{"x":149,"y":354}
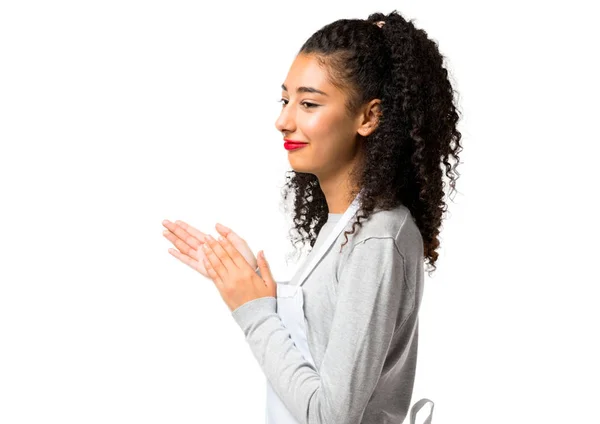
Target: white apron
{"x":290,"y":308}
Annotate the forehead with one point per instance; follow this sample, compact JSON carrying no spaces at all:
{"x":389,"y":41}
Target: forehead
{"x":307,"y":72}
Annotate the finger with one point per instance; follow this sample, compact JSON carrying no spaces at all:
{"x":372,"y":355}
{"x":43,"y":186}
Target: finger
{"x":180,"y":244}
{"x":212,"y":273}
{"x":229,"y":234}
{"x":191,"y":230}
{"x":195,"y":265}
{"x":221,"y":253}
{"x":223,"y":230}
{"x":183,"y":235}
{"x":214,"y":260}
{"x":233,"y":253}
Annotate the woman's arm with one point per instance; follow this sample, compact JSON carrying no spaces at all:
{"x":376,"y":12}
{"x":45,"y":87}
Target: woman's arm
{"x":372,"y":302}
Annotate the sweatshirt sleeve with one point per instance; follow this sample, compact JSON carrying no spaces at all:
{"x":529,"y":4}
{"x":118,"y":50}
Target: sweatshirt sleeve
{"x":369,"y":294}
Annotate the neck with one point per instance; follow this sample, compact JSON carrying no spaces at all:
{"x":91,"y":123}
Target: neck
{"x":337,"y":188}
{"x":337,"y":196}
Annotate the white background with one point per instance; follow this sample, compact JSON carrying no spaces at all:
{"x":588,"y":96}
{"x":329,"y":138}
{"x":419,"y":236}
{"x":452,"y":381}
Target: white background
{"x":115,"y":115}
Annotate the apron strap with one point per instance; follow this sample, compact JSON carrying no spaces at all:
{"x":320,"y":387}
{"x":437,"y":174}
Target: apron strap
{"x":417,"y":407}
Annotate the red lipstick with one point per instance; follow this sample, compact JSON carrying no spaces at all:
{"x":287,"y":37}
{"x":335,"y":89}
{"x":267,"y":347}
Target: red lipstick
{"x":293,"y":144}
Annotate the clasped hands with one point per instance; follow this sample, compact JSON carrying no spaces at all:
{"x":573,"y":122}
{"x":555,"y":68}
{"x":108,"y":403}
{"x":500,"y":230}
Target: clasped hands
{"x":228,"y":262}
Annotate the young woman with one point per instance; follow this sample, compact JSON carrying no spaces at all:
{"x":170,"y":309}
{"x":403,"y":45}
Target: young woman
{"x":368,"y":118}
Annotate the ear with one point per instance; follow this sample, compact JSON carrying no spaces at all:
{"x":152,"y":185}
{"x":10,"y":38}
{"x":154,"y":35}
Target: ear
{"x":369,"y":117}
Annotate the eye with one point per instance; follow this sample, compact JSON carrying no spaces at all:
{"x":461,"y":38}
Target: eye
{"x":307,"y":105}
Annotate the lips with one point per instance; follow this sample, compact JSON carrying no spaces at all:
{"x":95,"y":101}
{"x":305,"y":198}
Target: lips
{"x":293,"y":144}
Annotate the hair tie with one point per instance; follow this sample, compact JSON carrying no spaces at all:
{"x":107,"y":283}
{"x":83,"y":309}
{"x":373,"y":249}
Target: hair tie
{"x":380,"y":23}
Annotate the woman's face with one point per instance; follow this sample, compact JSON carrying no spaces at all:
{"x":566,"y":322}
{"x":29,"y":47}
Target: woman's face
{"x":314,"y":111}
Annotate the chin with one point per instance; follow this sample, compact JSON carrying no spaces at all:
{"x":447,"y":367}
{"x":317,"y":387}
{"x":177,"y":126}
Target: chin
{"x":302,"y":169}
{"x":299,"y":168}
{"x":305,"y":164}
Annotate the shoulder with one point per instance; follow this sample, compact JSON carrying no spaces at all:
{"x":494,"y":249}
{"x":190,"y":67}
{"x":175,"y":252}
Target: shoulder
{"x":390,"y":239}
{"x":395,"y":227}
{"x":397,"y":224}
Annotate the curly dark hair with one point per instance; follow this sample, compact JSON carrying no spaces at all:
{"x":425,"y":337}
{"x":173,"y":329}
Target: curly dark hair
{"x":416,"y":134}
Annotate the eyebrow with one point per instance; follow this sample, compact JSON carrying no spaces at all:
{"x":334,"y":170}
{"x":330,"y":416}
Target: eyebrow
{"x":305,"y":90}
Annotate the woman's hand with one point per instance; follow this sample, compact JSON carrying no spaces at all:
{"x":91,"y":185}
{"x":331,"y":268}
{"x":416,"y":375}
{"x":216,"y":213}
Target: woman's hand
{"x":237,"y":281}
{"x":189,"y":241}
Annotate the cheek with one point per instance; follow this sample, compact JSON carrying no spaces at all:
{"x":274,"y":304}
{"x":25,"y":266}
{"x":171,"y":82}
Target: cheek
{"x":315,"y":126}
{"x":324,"y":126}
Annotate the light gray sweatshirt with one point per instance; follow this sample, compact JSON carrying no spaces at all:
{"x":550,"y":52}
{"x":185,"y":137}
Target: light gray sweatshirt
{"x":361,"y":308}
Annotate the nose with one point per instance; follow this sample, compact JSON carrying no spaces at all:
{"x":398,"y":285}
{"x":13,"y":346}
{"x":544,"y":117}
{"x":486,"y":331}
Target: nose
{"x":285,"y":123}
